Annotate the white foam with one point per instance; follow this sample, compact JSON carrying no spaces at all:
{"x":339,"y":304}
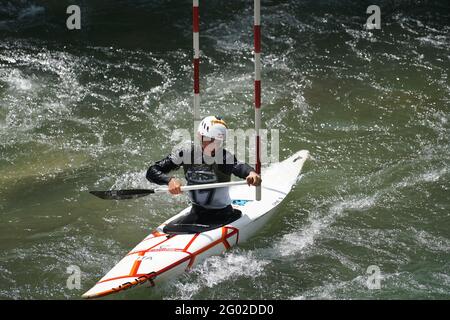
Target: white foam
{"x":17,"y":81}
{"x":298,"y":241}
{"x":233,"y":265}
{"x":357,"y":287}
{"x":429,"y":176}
{"x":333,"y":290}
{"x":436,"y":41}
{"x":430,"y":242}
{"x":219,"y":269}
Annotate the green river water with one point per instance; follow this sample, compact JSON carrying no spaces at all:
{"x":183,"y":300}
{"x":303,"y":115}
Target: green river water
{"x":92,"y":109}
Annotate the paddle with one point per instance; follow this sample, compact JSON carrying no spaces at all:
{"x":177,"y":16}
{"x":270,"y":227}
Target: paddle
{"x":136,"y":193}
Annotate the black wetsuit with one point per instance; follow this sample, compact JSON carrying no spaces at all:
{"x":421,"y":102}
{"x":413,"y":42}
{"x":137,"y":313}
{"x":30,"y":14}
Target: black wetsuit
{"x":198,"y":169}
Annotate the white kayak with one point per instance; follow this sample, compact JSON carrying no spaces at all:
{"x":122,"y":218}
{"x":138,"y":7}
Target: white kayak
{"x":165,"y":255}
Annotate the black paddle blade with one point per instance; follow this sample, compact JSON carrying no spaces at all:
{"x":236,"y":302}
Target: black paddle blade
{"x":122,"y":194}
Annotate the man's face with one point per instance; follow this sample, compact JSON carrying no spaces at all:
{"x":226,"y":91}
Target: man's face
{"x":208,"y":145}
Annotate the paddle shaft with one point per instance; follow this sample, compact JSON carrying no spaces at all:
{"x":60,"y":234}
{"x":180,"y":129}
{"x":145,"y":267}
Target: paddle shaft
{"x":204,"y":186}
{"x":137,"y":193}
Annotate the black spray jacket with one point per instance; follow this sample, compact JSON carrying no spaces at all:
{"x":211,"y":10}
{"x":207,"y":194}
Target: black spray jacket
{"x":199,"y":169}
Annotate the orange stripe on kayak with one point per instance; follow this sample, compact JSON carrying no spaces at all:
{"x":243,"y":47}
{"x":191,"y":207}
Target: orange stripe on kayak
{"x":153,"y":235}
{"x":226,"y":244}
{"x":212,"y":244}
{"x":141,"y":278}
{"x":136,"y":265}
{"x":157,"y":234}
{"x":190,"y":256}
{"x":190,"y":242}
{"x":224,"y":238}
{"x":191,"y":263}
{"x":123,"y":277}
{"x":235,"y":231}
{"x":196,"y":253}
{"x":146,"y":250}
{"x":169,"y":249}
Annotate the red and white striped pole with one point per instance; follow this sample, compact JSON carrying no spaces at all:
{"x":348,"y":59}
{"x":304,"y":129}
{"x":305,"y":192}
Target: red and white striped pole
{"x":195,"y":29}
{"x":257,"y":40}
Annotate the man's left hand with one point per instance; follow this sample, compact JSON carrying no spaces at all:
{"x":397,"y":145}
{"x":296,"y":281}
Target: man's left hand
{"x":253,"y":179}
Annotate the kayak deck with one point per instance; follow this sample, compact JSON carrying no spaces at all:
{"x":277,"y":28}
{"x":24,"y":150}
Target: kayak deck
{"x":165,"y":253}
{"x":186,"y":225}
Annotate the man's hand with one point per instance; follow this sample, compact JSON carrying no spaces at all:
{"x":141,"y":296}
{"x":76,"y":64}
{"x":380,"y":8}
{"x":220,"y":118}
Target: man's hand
{"x":253,"y":179}
{"x":174,"y":186}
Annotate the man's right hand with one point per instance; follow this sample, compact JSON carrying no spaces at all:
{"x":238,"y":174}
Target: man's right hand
{"x":174,"y":186}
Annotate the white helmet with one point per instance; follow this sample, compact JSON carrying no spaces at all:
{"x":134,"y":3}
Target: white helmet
{"x":213,"y":128}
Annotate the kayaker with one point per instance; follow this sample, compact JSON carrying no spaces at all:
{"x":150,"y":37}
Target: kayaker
{"x":201,"y":167}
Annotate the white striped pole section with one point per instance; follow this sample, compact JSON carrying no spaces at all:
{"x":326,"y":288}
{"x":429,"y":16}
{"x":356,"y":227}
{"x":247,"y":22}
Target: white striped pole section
{"x":195,"y":29}
{"x":257,"y":41}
